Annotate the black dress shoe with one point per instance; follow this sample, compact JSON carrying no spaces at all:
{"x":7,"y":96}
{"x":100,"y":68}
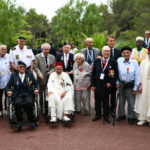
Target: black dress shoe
{"x":121,"y":118}
{"x":32,"y":125}
{"x":20,"y":126}
{"x":107,"y":119}
{"x":113,"y":114}
{"x":130,"y":121}
{"x":96,"y":117}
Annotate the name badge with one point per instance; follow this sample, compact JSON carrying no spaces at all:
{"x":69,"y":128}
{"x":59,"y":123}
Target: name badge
{"x":124,"y":77}
{"x":3,"y":72}
{"x":102,"y":76}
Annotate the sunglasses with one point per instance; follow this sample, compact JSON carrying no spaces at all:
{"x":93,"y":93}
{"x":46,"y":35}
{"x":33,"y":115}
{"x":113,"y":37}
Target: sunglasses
{"x":22,"y":66}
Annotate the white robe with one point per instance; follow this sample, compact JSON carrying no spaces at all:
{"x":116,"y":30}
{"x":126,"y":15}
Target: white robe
{"x":142,"y":103}
{"x":58,"y":84}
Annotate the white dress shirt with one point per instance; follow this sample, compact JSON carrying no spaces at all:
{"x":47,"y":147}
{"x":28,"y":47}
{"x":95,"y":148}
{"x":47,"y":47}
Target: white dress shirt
{"x":22,"y":76}
{"x":4,"y":71}
{"x":66,"y":58}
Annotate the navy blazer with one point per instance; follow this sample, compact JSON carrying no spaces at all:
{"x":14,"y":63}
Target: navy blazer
{"x":29,"y":82}
{"x":60,"y":58}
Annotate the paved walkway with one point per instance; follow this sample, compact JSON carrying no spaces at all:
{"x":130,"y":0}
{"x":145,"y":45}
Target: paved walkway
{"x":82,"y":135}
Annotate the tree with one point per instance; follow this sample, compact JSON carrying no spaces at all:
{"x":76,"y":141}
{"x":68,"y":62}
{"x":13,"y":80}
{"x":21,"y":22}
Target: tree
{"x":142,"y":19}
{"x":10,"y":20}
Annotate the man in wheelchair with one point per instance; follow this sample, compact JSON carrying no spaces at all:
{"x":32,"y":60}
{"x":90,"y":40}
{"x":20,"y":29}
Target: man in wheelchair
{"x":25,"y":87}
{"x":60,"y":95}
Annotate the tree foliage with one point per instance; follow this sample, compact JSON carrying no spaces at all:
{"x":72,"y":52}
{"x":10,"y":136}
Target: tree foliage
{"x":75,"y":21}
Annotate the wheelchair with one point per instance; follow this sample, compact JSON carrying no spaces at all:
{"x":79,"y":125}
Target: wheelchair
{"x":11,"y":111}
{"x":47,"y":113}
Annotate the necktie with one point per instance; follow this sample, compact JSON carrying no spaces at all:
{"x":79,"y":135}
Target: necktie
{"x":89,"y":57}
{"x":46,"y":61}
{"x":104,"y":62}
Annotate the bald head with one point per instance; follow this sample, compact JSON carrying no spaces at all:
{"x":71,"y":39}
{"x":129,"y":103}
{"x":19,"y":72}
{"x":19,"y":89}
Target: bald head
{"x":106,"y":52}
{"x":3,"y":50}
{"x":89,"y":43}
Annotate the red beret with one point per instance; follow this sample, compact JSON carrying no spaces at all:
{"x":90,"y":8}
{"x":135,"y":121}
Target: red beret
{"x":59,"y":64}
{"x":149,"y":50}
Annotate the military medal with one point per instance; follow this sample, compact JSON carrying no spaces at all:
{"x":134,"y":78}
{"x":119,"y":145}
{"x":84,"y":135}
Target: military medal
{"x":17,"y":57}
{"x":62,"y":58}
{"x":3,"y":72}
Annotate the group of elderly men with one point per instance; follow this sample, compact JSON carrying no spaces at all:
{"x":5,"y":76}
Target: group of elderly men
{"x":105,"y":72}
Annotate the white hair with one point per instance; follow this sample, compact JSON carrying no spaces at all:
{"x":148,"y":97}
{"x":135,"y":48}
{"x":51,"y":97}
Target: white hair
{"x":79,"y":55}
{"x":88,"y":39}
{"x":2,"y":46}
{"x":147,"y":31}
{"x":67,"y":45}
{"x":45,"y":44}
{"x":105,"y":47}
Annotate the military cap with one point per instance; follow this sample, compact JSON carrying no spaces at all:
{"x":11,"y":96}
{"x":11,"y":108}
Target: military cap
{"x":21,"y":63}
{"x":21,"y":37}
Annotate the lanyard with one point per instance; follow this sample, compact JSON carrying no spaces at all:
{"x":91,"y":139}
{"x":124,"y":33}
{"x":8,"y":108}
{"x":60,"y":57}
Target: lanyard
{"x":105,"y":65}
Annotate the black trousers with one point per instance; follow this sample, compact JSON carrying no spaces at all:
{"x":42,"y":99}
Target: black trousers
{"x":102,"y":97}
{"x":113,"y":98}
{"x":25,"y":102}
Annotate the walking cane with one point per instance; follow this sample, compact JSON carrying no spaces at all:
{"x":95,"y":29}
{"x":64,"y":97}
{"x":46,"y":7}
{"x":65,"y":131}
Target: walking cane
{"x":114,"y":117}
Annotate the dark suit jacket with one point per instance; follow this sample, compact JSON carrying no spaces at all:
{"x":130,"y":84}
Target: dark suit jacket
{"x":60,"y":58}
{"x":146,"y":45}
{"x":15,"y":82}
{"x":109,"y":76}
{"x":117,"y":54}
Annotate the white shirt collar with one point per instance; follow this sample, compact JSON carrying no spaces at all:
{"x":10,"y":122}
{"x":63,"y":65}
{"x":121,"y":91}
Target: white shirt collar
{"x":22,"y":76}
{"x":106,"y":59}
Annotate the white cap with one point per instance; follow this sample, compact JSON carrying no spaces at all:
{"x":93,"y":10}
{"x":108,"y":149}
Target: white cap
{"x":140,"y":38}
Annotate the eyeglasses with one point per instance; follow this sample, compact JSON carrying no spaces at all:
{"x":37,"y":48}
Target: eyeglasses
{"x":22,"y":66}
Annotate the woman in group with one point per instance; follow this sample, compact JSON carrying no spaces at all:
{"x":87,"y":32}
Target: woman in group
{"x":142,"y":103}
{"x":82,"y":73}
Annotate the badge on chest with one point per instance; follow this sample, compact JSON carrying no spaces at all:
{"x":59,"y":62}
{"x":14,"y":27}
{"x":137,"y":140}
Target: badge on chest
{"x":102,"y":76}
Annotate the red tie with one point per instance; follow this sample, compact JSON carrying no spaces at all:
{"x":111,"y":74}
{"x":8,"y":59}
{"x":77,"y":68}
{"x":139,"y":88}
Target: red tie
{"x":104,"y":62}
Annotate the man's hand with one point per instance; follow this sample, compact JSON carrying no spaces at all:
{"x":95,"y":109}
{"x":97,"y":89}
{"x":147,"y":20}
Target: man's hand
{"x":9,"y":93}
{"x":117,"y":86}
{"x":50,"y":93}
{"x":99,"y":57}
{"x":36,"y":92}
{"x":69,"y":73}
{"x":63,"y":94}
{"x":108,"y":85}
{"x":41,"y":77}
{"x":133,"y":93}
{"x":93,"y":88}
{"x":88,"y":86}
{"x":48,"y":73}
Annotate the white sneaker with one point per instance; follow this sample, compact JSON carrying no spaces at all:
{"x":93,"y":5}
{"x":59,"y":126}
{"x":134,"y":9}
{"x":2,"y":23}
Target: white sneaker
{"x":0,"y":113}
{"x":53,"y":119}
{"x":140,"y":123}
{"x":65,"y":118}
